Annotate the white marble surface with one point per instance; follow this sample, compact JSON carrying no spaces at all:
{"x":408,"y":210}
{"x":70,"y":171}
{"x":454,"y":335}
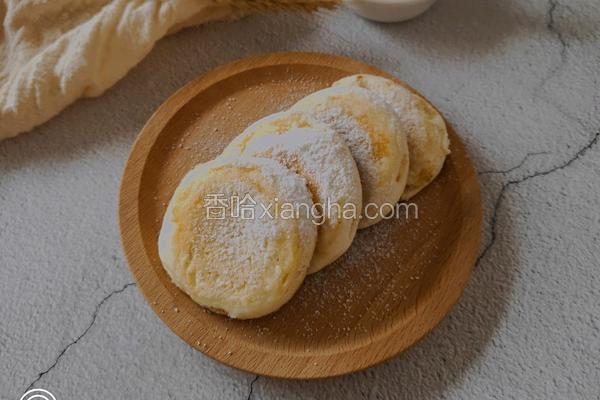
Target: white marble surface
{"x":520,"y":82}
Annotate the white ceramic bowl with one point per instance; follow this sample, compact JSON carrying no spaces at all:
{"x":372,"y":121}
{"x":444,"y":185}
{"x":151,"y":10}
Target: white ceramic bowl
{"x":389,"y":10}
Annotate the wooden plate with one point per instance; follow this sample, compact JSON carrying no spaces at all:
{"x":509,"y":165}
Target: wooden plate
{"x":397,"y":281}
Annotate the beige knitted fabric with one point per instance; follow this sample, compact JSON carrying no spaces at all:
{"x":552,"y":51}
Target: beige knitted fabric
{"x":55,"y":51}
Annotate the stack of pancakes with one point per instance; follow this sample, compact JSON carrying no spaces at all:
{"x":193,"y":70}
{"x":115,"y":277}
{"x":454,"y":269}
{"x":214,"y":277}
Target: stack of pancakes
{"x":286,"y":197}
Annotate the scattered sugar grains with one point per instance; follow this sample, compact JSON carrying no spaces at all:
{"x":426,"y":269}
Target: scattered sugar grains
{"x":332,"y":303}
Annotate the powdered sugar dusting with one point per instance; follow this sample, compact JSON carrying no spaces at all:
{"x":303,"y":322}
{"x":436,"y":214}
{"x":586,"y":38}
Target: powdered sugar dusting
{"x":233,"y":264}
{"x":324,"y":160}
{"x":419,"y":121}
{"x":377,"y":176}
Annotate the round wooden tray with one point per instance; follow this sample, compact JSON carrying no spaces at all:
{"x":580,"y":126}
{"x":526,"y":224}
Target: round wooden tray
{"x":397,"y":281}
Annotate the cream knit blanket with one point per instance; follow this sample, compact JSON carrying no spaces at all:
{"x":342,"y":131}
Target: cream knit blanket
{"x":55,"y":51}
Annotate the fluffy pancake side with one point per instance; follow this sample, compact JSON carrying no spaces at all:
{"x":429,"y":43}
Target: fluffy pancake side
{"x":324,"y":160}
{"x":370,"y":128}
{"x":427,"y":136}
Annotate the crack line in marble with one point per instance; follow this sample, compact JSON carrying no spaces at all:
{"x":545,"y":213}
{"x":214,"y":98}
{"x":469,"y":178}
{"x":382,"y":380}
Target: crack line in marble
{"x":552,"y":28}
{"x":515,"y":182}
{"x":78,"y":338}
{"x":251,"y":389}
{"x":556,"y":32}
{"x":511,"y":169}
{"x":551,"y":25}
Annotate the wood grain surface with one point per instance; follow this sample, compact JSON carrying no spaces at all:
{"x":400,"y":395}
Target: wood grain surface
{"x":397,"y":281}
